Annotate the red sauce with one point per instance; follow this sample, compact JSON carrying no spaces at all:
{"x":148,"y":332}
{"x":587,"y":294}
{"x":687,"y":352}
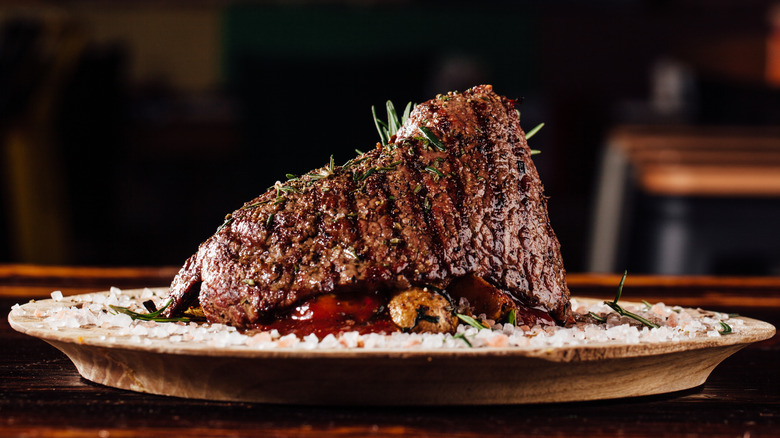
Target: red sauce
{"x":361,"y":312}
{"x":334,"y":314}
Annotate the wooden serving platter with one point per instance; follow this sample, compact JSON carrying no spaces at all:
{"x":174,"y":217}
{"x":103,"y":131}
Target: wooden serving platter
{"x":480,"y":376}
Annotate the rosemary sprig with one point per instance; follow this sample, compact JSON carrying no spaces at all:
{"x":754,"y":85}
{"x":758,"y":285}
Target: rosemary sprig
{"x":726,"y":328}
{"x":621,"y":311}
{"x":153,"y":316}
{"x":431,"y":137}
{"x":388,"y":129}
{"x":471,"y":321}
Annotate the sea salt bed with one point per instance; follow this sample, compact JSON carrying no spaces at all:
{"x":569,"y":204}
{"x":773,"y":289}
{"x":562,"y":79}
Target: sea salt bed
{"x":94,"y":311}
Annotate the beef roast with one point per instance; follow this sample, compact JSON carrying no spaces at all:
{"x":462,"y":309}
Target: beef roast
{"x":453,"y":193}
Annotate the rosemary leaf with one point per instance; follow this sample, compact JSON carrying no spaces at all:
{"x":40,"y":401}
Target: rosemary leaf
{"x":153,"y":316}
{"x":621,"y":311}
{"x":435,"y":171}
{"x":430,"y":136}
{"x":462,"y":337}
{"x":726,"y":329}
{"x":597,"y":317}
{"x":390,"y":166}
{"x":512,"y":318}
{"x":368,"y":173}
{"x":533,"y":132}
{"x":228,"y":220}
{"x":381,"y":127}
{"x":620,"y":287}
{"x":471,"y":321}
{"x":392,"y":119}
{"x":407,"y":111}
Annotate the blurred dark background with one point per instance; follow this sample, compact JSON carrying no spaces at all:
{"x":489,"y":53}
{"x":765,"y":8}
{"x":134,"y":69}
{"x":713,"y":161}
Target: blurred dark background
{"x":129,"y":129}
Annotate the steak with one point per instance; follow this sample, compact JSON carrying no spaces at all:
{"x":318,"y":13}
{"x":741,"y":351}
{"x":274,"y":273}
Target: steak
{"x":453,"y":194}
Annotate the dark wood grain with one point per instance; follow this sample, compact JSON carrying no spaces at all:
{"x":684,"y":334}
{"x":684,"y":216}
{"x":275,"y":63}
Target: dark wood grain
{"x":41,"y":394}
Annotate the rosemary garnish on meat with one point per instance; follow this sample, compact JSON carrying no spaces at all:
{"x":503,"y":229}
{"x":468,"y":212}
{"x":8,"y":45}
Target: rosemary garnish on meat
{"x":530,"y":134}
{"x":387,"y":130}
{"x":152,"y":316}
{"x":623,"y":312}
{"x":435,"y":171}
{"x":365,"y":175}
{"x":390,"y":166}
{"x":431,"y":137}
{"x":228,"y":220}
{"x":533,"y":132}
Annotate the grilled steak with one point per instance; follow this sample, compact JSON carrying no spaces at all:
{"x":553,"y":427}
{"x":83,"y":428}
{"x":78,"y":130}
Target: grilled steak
{"x":454,"y":194}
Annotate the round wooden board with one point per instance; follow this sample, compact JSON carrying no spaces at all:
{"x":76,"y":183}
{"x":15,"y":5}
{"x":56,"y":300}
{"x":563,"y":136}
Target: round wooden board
{"x":390,"y":376}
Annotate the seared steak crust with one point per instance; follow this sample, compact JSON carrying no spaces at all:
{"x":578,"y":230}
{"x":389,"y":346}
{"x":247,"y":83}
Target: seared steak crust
{"x":423,"y":210}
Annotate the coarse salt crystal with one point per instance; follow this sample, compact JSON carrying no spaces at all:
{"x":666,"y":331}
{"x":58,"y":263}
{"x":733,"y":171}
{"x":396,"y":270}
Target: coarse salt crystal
{"x":92,"y":311}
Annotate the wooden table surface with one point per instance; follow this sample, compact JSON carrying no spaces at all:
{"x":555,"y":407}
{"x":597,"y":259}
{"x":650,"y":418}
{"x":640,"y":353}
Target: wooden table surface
{"x":41,"y":394}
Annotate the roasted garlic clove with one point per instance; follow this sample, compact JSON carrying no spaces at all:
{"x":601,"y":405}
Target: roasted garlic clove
{"x":422,"y":310}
